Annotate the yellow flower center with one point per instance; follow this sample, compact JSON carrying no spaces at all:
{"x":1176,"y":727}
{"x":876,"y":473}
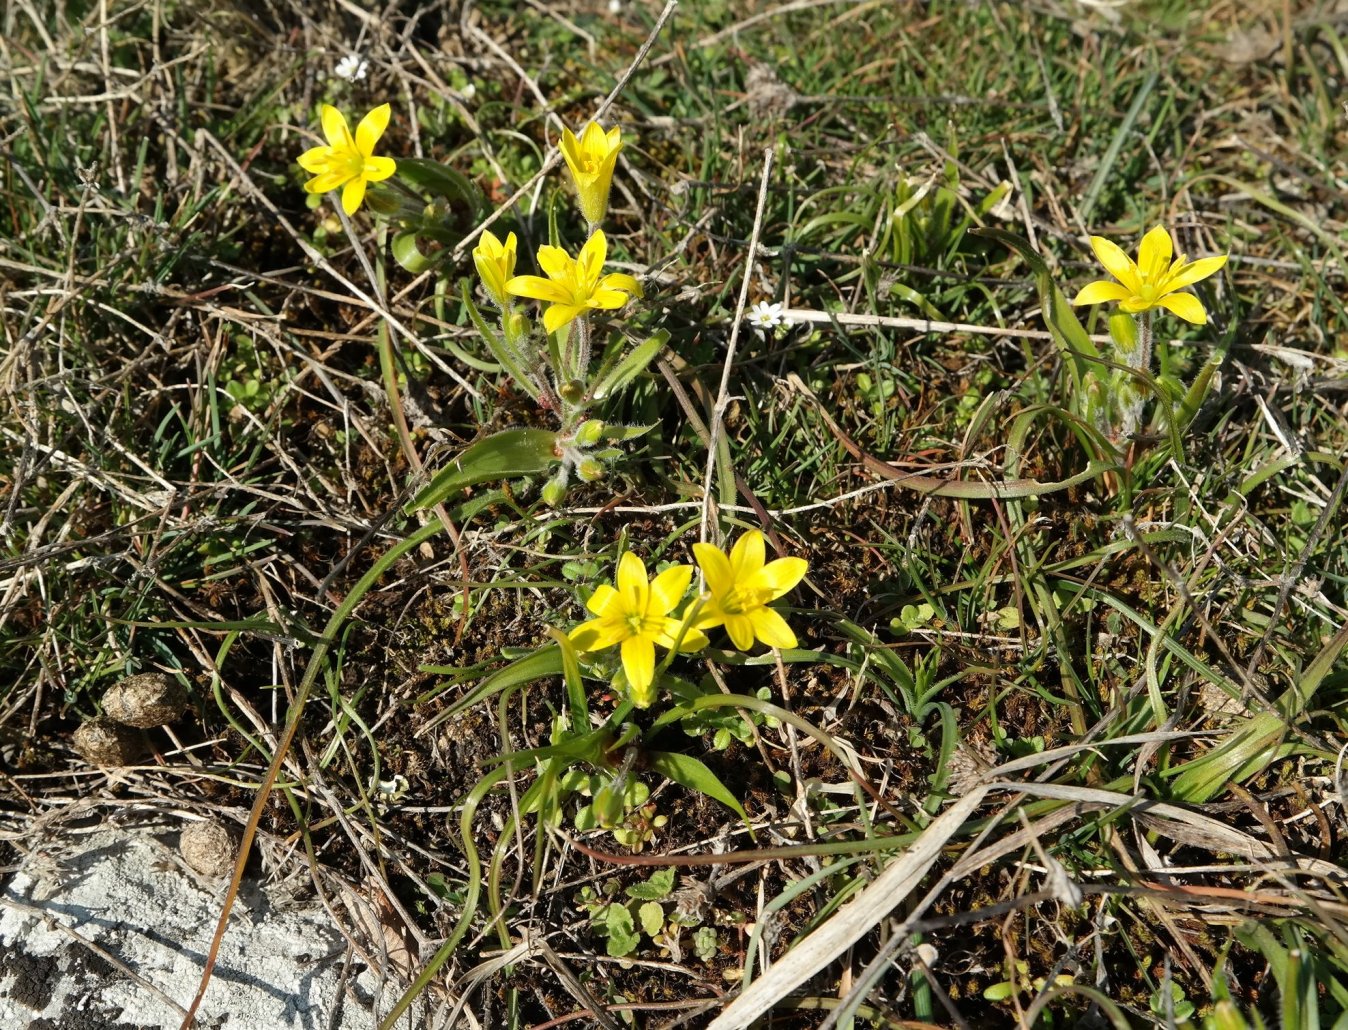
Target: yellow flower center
{"x":639,"y":625}
{"x":739,"y":600}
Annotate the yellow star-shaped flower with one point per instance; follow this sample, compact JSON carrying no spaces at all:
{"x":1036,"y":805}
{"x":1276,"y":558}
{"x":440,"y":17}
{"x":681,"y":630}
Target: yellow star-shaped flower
{"x":1153,"y":280}
{"x":495,"y":263}
{"x":574,"y":286}
{"x":636,"y":615}
{"x":348,"y":161}
{"x":591,"y":160}
{"x":740,"y":586}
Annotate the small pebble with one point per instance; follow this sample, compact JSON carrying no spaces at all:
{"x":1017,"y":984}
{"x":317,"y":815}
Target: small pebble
{"x":102,"y":742}
{"x":150,"y":699}
{"x":208,"y":848}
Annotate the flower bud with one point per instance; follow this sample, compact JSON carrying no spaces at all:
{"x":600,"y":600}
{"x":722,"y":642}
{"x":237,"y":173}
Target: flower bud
{"x":554,"y":491}
{"x":590,"y":470}
{"x":589,"y":433}
{"x":516,"y":327}
{"x":572,"y":391}
{"x":1123,"y":331}
{"x":608,"y":806}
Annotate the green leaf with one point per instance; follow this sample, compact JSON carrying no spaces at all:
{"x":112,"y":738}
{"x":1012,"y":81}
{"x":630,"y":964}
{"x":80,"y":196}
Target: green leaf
{"x":506,"y":355}
{"x":615,"y":923}
{"x":652,"y":917}
{"x":547,"y":661}
{"x":1251,"y":749}
{"x":508,"y":454}
{"x":630,"y":367}
{"x":1063,"y":324}
{"x":439,"y":180}
{"x":656,"y":888}
{"x":689,"y":772}
{"x":407,"y":252}
{"x":577,"y":703}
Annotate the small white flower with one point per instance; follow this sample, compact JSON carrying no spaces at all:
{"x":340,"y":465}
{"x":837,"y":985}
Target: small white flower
{"x":764,"y":315}
{"x":614,"y":6}
{"x":468,"y":92}
{"x":352,"y":68}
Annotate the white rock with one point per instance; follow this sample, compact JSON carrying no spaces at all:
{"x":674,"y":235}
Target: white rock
{"x":280,"y":966}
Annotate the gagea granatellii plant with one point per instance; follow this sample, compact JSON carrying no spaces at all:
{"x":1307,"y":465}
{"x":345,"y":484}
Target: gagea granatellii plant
{"x":1156,"y":280}
{"x":430,"y":206}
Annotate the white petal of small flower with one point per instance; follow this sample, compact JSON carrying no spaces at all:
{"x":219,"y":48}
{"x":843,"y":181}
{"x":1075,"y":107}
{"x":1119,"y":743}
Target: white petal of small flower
{"x":614,"y":6}
{"x":468,"y":92}
{"x":764,"y":315}
{"x":352,"y":68}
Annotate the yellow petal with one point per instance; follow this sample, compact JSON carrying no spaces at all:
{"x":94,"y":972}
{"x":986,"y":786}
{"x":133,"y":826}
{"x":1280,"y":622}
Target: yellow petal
{"x":597,"y":634}
{"x":570,"y":147}
{"x":555,"y":262}
{"x":639,"y":663}
{"x":746,"y":557}
{"x":537,"y":288}
{"x":335,"y":128}
{"x":315,"y":159}
{"x":668,"y":588}
{"x":352,"y":194}
{"x":607,"y":300}
{"x":559,"y":315}
{"x":771,"y":628}
{"x":780,"y":576}
{"x":603,"y":599}
{"x":371,"y":127}
{"x":1116,"y":263}
{"x":709,"y":616}
{"x":693,"y":639}
{"x":741,"y":630}
{"x":633,"y":584}
{"x":621,"y":281}
{"x":1186,"y":305}
{"x":1195,"y":272}
{"x":1101,"y":291}
{"x":715,"y":568}
{"x":592,"y":256}
{"x":1154,"y":254}
{"x":593,"y":140}
{"x":377,"y":169}
{"x":325,"y":182}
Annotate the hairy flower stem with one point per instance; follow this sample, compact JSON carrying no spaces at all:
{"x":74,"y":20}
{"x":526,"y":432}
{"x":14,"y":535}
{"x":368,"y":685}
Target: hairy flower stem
{"x":1144,"y":342}
{"x":1134,"y":397}
{"x":582,"y":350}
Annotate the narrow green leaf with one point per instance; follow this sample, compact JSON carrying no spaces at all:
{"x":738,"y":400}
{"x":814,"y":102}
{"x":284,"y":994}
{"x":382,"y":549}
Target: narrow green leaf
{"x":1250,"y":750}
{"x":505,"y":455}
{"x":631,"y":366}
{"x":508,"y":357}
{"x":691,"y":773}
{"x":441,"y":181}
{"x":1062,"y":323}
{"x":577,"y":703}
{"x":541,"y":664}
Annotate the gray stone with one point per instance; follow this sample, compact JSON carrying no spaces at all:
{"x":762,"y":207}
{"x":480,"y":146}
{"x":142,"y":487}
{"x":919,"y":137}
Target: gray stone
{"x":127,"y":892}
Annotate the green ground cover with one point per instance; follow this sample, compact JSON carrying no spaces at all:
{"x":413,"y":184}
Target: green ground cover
{"x":1064,"y":703}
